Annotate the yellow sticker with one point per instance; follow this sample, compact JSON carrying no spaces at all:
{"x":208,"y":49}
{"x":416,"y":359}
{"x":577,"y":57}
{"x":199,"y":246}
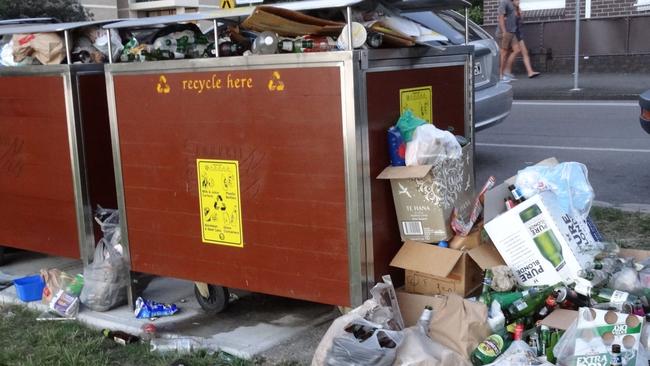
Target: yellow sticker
{"x":418,"y":100}
{"x":220,"y":202}
{"x":226,"y":4}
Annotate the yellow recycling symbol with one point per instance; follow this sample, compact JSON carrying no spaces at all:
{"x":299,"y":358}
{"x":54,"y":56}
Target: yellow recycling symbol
{"x":226,"y":4}
{"x":163,"y":87}
{"x":275,"y":84}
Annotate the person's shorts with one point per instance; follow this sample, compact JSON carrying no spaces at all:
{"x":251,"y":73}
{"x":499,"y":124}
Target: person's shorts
{"x":506,"y":40}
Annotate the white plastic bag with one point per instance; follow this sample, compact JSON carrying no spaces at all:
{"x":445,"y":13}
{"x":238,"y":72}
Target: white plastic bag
{"x":519,"y":354}
{"x":431,"y":145}
{"x":569,"y":181}
{"x":101,"y":42}
{"x":417,"y":349}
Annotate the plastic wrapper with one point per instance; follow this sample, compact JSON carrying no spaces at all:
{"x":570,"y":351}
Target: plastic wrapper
{"x":462,"y":227}
{"x":569,"y":181}
{"x":430,"y":146}
{"x":47,"y":48}
{"x":407,"y":124}
{"x":105,"y":279}
{"x":387,"y":312}
{"x":65,"y":304}
{"x":101,"y":42}
{"x":627,"y":279}
{"x":396,"y":147}
{"x":364,"y":343}
{"x":519,"y":354}
{"x":502,"y":279}
{"x":56,"y":280}
{"x":496,"y":318}
{"x":145,"y":309}
{"x":7,"y":56}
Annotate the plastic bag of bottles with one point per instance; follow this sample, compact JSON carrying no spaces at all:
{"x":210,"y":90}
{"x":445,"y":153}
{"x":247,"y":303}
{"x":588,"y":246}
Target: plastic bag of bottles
{"x":519,"y":354}
{"x":418,"y":349}
{"x":364,"y":343}
{"x":627,"y":279}
{"x":569,"y":181}
{"x":105,"y":279}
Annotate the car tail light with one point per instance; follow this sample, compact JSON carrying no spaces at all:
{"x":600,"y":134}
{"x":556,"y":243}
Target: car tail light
{"x":645,"y":114}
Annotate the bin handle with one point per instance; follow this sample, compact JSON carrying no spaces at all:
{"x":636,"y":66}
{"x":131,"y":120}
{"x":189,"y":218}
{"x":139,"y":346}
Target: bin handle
{"x":67,"y":46}
{"x":216,"y":38}
{"x":350,"y":46}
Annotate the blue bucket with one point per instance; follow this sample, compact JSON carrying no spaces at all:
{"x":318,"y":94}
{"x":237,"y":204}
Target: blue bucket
{"x":29,"y":288}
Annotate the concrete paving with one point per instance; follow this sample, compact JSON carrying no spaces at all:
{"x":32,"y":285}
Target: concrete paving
{"x":253,"y":326}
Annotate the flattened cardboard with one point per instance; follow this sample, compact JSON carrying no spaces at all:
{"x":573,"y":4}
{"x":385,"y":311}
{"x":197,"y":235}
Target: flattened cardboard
{"x":559,"y":319}
{"x":424,"y":196}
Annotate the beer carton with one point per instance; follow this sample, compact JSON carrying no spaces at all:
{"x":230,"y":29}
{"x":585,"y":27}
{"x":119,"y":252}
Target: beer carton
{"x":425,"y":196}
{"x":541,"y":243}
{"x":598,"y":330}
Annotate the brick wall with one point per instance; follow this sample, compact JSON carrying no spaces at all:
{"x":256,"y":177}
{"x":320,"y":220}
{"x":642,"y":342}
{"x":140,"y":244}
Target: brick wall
{"x":599,"y":9}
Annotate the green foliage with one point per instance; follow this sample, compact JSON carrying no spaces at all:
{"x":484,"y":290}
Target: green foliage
{"x":63,"y":10}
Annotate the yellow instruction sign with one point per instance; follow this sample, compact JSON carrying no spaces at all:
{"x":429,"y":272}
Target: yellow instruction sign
{"x":219,"y":199}
{"x":418,"y":100}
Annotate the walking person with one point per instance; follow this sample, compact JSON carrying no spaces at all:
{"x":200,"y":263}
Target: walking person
{"x":521,"y":49}
{"x":505,"y":36}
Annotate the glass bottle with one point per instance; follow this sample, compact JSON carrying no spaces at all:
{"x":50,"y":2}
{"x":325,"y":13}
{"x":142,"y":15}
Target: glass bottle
{"x":485,"y":297}
{"x":490,"y":348}
{"x":266,"y":43}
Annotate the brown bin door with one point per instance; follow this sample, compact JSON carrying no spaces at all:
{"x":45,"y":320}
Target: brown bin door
{"x":283,"y":127}
{"x":37,"y":206}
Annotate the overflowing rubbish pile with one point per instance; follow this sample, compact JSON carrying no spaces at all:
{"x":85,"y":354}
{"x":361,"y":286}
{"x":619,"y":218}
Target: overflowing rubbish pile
{"x":268,"y":30}
{"x":515,"y":275}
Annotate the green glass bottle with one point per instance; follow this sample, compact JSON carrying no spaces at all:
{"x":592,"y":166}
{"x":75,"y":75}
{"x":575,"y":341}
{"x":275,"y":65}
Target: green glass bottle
{"x":505,"y":299}
{"x":490,"y":348}
{"x":543,"y":236}
{"x":485,"y":296}
{"x":527,"y":305}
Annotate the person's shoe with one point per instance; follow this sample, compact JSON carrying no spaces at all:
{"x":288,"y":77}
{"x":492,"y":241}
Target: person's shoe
{"x":511,"y":76}
{"x":533,"y":75}
{"x":506,"y":79}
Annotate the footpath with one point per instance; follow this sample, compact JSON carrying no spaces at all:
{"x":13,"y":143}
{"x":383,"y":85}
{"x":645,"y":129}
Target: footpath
{"x":593,"y":86}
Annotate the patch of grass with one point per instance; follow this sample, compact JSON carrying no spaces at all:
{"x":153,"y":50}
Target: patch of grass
{"x":628,"y":229}
{"x":28,"y":342}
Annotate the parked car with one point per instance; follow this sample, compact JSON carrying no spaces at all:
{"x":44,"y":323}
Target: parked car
{"x":492,"y":98}
{"x":644,"y":103}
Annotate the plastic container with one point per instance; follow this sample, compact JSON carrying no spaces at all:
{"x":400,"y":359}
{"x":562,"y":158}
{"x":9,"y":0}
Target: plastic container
{"x":29,"y":288}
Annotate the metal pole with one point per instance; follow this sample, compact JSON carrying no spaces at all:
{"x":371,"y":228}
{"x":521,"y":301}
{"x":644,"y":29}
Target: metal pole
{"x":466,"y":26}
{"x":110,"y":48}
{"x":216,"y":38}
{"x":67,"y":46}
{"x":576,"y":65}
{"x":350,"y":46}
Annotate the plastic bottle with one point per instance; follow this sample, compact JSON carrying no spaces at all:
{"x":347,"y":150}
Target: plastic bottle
{"x":425,"y":319}
{"x":597,"y":278}
{"x":180,"y":345}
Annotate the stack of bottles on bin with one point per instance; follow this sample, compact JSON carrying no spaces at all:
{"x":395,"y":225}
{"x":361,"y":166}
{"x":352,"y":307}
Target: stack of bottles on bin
{"x":610,"y":282}
{"x":376,"y":28}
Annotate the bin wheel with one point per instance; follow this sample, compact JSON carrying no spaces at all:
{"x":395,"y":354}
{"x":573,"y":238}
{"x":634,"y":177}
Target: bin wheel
{"x":216,"y":302}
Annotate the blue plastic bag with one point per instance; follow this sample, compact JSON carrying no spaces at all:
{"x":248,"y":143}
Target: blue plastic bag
{"x":569,"y":182}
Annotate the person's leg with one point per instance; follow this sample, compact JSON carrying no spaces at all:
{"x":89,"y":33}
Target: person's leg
{"x":526,"y":57}
{"x":503,"y":55}
{"x":511,"y":58}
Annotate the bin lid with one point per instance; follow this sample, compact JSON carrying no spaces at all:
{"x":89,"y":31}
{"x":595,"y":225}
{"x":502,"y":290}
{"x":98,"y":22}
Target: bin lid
{"x":49,"y":27}
{"x":27,"y":21}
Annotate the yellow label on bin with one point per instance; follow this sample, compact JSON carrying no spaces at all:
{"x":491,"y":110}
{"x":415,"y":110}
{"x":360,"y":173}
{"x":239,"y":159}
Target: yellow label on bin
{"x":220,"y":203}
{"x":419,"y":100}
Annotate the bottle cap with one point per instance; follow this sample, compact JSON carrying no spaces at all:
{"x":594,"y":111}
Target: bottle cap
{"x":443,"y":244}
{"x":616,"y":348}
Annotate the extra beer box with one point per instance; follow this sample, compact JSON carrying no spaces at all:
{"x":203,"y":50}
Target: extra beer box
{"x":426,"y":195}
{"x":597,"y":330}
{"x":541,"y":243}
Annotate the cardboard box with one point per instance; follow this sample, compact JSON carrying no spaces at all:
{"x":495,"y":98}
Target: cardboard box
{"x":540,"y":242}
{"x":426,"y":195}
{"x":431,"y":270}
{"x":471,"y":241}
